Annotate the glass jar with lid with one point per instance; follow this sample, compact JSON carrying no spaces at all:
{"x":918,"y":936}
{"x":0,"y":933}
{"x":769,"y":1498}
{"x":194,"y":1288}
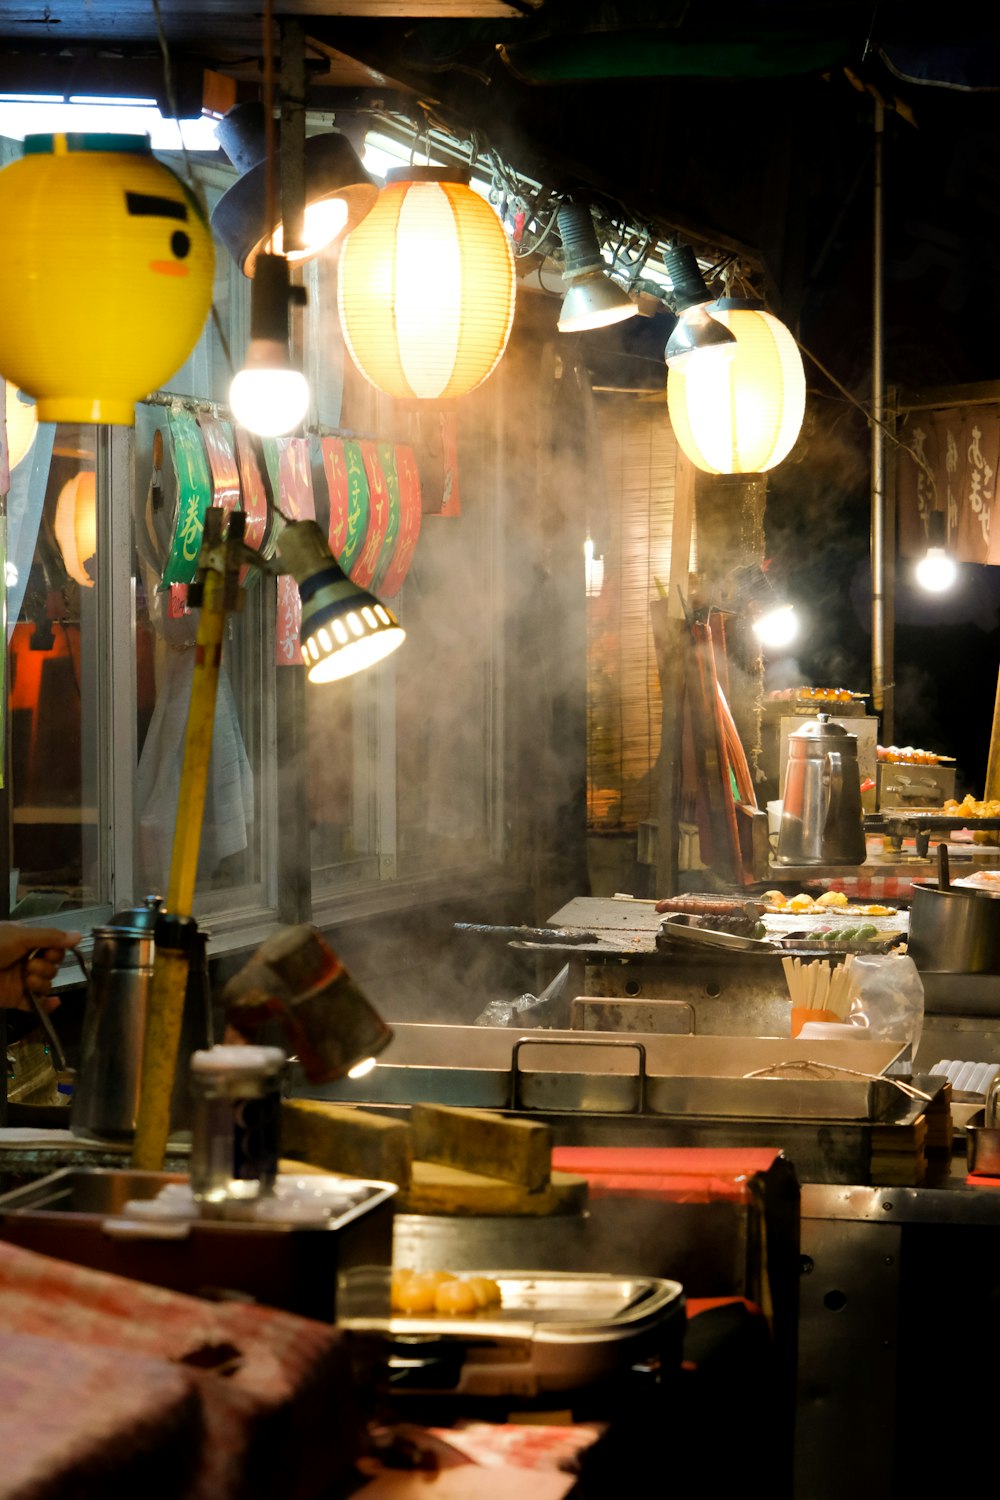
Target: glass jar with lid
{"x":236,"y":1126}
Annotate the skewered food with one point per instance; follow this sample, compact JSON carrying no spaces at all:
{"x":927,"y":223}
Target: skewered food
{"x":906,"y":756}
{"x":716,"y":913}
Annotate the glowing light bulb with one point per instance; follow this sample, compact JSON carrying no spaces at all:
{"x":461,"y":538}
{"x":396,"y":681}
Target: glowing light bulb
{"x":777,"y":628}
{"x":324,"y":220}
{"x":936,"y":571}
{"x":269,"y":401}
{"x":361,"y":1069}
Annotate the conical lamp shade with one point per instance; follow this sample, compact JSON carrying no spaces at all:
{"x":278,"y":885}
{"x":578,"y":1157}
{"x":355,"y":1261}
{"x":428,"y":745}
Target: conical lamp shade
{"x":741,"y":415}
{"x":426,"y":288}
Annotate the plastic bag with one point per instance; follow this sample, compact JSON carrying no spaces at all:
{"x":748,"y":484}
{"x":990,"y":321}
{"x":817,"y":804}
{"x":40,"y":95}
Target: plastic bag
{"x":887,"y":998}
{"x":542,"y":1010}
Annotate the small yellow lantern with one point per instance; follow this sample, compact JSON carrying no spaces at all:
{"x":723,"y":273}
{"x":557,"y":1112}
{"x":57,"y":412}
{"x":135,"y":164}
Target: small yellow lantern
{"x":22,"y":423}
{"x":740,"y":415}
{"x":76,"y":525}
{"x":106,"y":269}
{"x":426,"y":287}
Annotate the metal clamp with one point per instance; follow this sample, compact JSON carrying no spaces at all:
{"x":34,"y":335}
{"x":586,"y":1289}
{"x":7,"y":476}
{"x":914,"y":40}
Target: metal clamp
{"x":554,"y":1041}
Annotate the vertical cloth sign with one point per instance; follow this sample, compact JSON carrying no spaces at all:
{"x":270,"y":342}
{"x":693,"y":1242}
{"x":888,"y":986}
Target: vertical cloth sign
{"x":221,"y":454}
{"x":408,"y":481}
{"x":347,"y":482}
{"x":254,"y":492}
{"x":387,"y":460}
{"x":363,"y":571}
{"x":194,"y":495}
{"x":296,"y":501}
{"x":948,"y":462}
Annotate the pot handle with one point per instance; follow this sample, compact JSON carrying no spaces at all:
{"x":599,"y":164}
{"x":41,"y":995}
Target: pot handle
{"x":835,"y":785}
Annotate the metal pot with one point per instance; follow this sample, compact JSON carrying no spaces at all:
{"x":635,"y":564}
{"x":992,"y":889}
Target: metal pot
{"x":821,"y":818}
{"x":106,"y":1096}
{"x":954,"y":931}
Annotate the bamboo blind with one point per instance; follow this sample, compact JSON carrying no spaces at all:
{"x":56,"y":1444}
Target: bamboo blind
{"x":623,"y":690}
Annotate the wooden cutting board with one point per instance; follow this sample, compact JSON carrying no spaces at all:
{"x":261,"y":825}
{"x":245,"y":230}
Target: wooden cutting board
{"x":438,"y":1189}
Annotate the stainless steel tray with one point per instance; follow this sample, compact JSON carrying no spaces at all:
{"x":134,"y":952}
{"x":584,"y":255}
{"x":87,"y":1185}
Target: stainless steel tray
{"x":603,"y":1072}
{"x":553,"y":1331}
{"x":982,"y":1147}
{"x":677,"y":929}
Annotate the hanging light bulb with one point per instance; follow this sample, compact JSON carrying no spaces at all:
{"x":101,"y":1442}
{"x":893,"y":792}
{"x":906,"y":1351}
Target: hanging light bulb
{"x":777,"y":627}
{"x":592,"y":299}
{"x":426,"y":287}
{"x":269,"y":395}
{"x":743,"y":416}
{"x":344,"y":628}
{"x":937,"y":570}
{"x":22,"y":424}
{"x":696,"y":332}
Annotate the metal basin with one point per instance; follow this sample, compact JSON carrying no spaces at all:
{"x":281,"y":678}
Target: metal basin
{"x":954,"y":931}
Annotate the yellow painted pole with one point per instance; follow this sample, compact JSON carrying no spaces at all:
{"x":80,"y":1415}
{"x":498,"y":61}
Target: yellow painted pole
{"x":172,"y":961}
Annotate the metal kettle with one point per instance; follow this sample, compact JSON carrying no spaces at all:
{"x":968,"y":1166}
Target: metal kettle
{"x":106,"y":1096}
{"x":821,"y":820}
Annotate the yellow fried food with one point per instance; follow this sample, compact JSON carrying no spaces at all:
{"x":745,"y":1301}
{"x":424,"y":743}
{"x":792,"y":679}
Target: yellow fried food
{"x":455,"y":1297}
{"x":485,"y":1291}
{"x":832,"y":898}
{"x":414,"y":1293}
{"x":877,"y":911}
{"x":773,"y":898}
{"x":802,"y":902}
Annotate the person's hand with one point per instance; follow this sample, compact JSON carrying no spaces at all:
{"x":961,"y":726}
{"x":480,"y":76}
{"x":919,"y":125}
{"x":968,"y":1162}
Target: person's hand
{"x":29,"y":961}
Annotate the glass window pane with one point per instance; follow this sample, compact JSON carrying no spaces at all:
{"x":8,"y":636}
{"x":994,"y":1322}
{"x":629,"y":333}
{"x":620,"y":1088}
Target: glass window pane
{"x":53,"y":647}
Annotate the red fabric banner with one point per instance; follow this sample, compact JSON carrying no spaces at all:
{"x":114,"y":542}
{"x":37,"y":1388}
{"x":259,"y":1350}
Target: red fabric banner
{"x":297,"y":501}
{"x":409,"y":521}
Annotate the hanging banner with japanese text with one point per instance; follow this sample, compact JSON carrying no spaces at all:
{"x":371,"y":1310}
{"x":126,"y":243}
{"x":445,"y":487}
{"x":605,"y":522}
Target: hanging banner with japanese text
{"x":297,"y":503}
{"x":408,"y":480}
{"x":387,"y":460}
{"x":250,"y":458}
{"x":948,"y":461}
{"x":194,"y":495}
{"x":363,"y":570}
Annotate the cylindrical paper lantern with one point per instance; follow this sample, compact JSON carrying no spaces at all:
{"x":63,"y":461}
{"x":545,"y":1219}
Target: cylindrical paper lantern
{"x":741,"y":415}
{"x":106,"y":269}
{"x":76,"y":525}
{"x":22,"y":424}
{"x":426,"y":288}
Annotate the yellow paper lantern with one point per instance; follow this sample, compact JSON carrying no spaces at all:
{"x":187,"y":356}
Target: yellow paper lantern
{"x":106,"y":270}
{"x":76,"y":525}
{"x":740,"y":415}
{"x":426,"y":288}
{"x":22,"y":424}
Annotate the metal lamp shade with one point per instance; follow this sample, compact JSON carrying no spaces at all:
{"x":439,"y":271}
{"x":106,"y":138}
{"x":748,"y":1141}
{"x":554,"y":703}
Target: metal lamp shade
{"x":740,"y":415}
{"x":333,"y":170}
{"x":344,"y":628}
{"x":106,"y":266}
{"x":594,"y":302}
{"x":426,"y":288}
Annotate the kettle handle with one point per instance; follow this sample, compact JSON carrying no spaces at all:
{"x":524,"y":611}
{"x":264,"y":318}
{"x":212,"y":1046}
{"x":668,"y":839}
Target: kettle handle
{"x":835,"y":786}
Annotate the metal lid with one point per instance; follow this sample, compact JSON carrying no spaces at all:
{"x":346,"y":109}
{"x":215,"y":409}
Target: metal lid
{"x":134,"y":921}
{"x":822,"y":727}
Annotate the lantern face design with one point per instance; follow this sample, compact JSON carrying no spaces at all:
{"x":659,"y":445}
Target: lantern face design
{"x":426,"y":290}
{"x":75,"y":525}
{"x":106,"y":270}
{"x":22,"y":424}
{"x":741,"y":415}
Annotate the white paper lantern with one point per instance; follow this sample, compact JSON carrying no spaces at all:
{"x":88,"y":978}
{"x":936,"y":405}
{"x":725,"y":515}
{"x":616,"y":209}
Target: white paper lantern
{"x":740,"y":415}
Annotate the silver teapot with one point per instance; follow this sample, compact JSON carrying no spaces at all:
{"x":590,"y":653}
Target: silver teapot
{"x":822,"y":822}
{"x":106,"y":1096}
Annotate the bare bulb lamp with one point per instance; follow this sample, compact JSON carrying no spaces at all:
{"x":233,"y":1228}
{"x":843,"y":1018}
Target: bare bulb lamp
{"x":338,"y":191}
{"x":592,"y":300}
{"x":269,"y":395}
{"x":344,"y":628}
{"x":696,"y":331}
{"x":777,"y":627}
{"x":937,"y":570}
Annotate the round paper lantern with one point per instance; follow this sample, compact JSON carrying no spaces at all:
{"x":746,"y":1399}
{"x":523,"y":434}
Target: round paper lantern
{"x":106,"y":269}
{"x":22,"y":423}
{"x":76,"y":525}
{"x":740,"y":415}
{"x":426,"y":288}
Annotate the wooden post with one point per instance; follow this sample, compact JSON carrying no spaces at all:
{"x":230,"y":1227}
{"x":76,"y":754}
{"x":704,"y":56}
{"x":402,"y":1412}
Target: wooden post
{"x":670,"y":638}
{"x":992,"y":788}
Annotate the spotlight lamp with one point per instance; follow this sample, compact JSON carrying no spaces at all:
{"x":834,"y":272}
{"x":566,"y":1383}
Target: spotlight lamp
{"x":338,"y":192}
{"x":592,"y":299}
{"x":937,"y":570}
{"x":344,"y":628}
{"x":269,"y":395}
{"x":696,"y":332}
{"x":776,"y":627}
